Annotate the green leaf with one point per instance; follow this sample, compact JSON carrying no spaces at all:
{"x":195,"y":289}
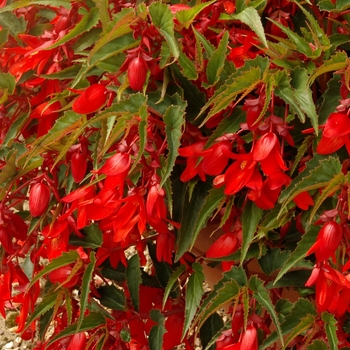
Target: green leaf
{"x":92,"y":237}
{"x":7,"y":82}
{"x":210,"y":328}
{"x":250,"y":220}
{"x":133,"y":279}
{"x":174,"y":121}
{"x":308,"y":239}
{"x":172,"y":280}
{"x":292,"y":279}
{"x":14,"y":24}
{"x":283,"y":89}
{"x":112,"y":297}
{"x":47,"y":303}
{"x":9,"y":170}
{"x":117,"y":274}
{"x":188,"y":68}
{"x":67,"y":73}
{"x":226,"y":290}
{"x":330,"y":324}
{"x":189,"y":217}
{"x":194,"y":294}
{"x":217,"y":60}
{"x":303,"y":95}
{"x":87,"y":22}
{"x":319,"y":171}
{"x":337,"y":62}
{"x":25,"y":3}
{"x":65,"y":259}
{"x":301,"y":44}
{"x":275,"y":258}
{"x":162,"y":18}
{"x":330,"y":99}
{"x":91,"y":321}
{"x":305,"y":324}
{"x":86,"y":40}
{"x":186,"y":17}
{"x":262,"y":296}
{"x":102,"y":5}
{"x":251,"y":18}
{"x":318,"y":345}
{"x":157,"y":331}
{"x":241,"y":82}
{"x":85,"y":288}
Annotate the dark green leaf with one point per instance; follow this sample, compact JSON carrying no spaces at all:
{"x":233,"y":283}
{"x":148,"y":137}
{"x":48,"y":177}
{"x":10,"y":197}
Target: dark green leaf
{"x":48,"y":302}
{"x":210,"y":328}
{"x":292,"y":279}
{"x":330,"y":99}
{"x":86,"y":40}
{"x":188,"y":68}
{"x":251,"y":18}
{"x":305,"y":324}
{"x":90,"y":322}
{"x":308,"y":239}
{"x":318,"y":345}
{"x":92,"y":237}
{"x":65,"y":259}
{"x":250,"y":220}
{"x":303,"y":95}
{"x":109,"y":272}
{"x":189,"y":218}
{"x":330,"y":324}
{"x":112,"y":297}
{"x":262,"y":296}
{"x":174,"y":121}
{"x":157,"y":331}
{"x":163,"y":19}
{"x":133,"y":279}
{"x":172,"y":280}
{"x":194,"y":294}
{"x":85,"y":288}
{"x":217,"y":60}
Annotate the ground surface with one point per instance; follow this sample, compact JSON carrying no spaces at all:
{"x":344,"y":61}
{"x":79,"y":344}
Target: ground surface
{"x":9,"y":339}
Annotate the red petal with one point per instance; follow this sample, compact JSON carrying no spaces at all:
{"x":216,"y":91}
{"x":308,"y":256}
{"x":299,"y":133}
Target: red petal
{"x":330,"y":145}
{"x":39,"y":199}
{"x":264,"y":146}
{"x":137,"y":73}
{"x":303,"y":200}
{"x":91,"y":100}
{"x":223,"y":246}
{"x":216,"y":161}
{"x":116,"y":165}
{"x":237,"y":176}
{"x":338,"y":124}
{"x":78,"y":166}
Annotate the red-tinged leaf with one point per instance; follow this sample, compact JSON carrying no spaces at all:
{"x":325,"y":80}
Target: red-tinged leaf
{"x":39,"y":199}
{"x":91,"y":100}
{"x":223,"y":246}
{"x":115,"y":165}
{"x":6,"y":240}
{"x":338,"y":124}
{"x":330,"y":145}
{"x":137,"y":73}
{"x":264,"y":146}
{"x":78,"y":166}
{"x":194,"y":294}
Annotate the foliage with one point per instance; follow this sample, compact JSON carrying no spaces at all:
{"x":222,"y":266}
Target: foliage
{"x":131,"y":130}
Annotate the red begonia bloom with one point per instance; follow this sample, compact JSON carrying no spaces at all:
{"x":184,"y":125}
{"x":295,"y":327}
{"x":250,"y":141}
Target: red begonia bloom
{"x":223,"y":246}
{"x":303,"y":200}
{"x":39,"y":199}
{"x":115,"y":165}
{"x":327,"y":242}
{"x":249,"y":339}
{"x":78,"y":341}
{"x":91,"y":100}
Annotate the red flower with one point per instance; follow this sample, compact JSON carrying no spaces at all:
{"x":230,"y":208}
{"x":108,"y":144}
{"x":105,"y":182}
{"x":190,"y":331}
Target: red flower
{"x":225,"y":245}
{"x":91,"y":100}
{"x":249,"y":339}
{"x":39,"y":199}
{"x":303,"y":200}
{"x":78,"y":166}
{"x":327,"y":242}
{"x":115,"y":165}
{"x":137,"y":73}
{"x":78,"y":342}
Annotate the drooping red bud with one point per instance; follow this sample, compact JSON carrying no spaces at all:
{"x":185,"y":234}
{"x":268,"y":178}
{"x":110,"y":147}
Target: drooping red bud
{"x":78,"y":166}
{"x":39,"y":199}
{"x":137,"y":73}
{"x":223,"y":246}
{"x":78,"y":341}
{"x":250,"y":339}
{"x":91,"y":100}
{"x":63,"y":275}
{"x":6,"y":240}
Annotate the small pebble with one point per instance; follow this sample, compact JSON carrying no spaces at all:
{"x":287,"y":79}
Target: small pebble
{"x":9,"y":345}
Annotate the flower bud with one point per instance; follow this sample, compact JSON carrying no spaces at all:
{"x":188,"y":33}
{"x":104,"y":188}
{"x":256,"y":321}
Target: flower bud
{"x":137,"y":73}
{"x":78,"y":166}
{"x":39,"y":199}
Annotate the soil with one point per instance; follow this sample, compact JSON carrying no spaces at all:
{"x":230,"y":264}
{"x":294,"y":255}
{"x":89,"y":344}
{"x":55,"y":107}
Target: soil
{"x":9,"y":339}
